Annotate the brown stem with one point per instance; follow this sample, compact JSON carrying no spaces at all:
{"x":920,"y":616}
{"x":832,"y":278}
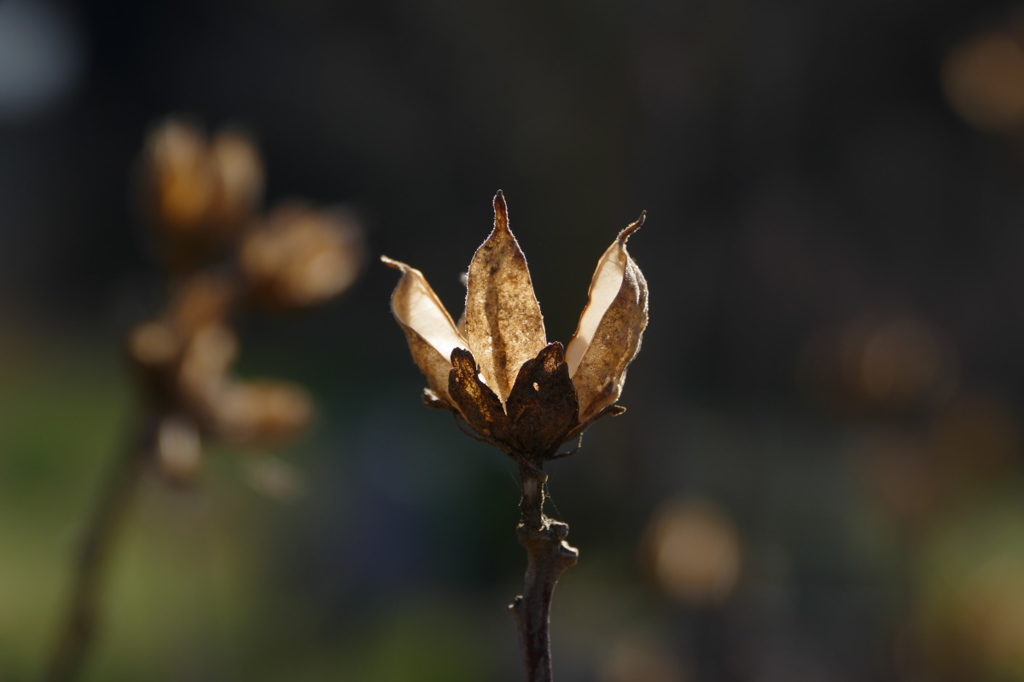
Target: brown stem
{"x":548,"y":555}
{"x":78,"y":628}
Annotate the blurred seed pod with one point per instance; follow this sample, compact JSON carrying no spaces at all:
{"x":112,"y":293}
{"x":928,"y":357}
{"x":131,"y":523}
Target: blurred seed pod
{"x":199,"y":194}
{"x":239,"y":172}
{"x":183,"y":358}
{"x":202,"y":196}
{"x":301,"y":257}
{"x":203,"y":372}
{"x":262,"y":413}
{"x":179,"y":180}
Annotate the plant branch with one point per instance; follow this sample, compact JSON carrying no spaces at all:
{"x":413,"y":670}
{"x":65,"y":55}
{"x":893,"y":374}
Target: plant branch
{"x":548,"y":555}
{"x":79,"y":626}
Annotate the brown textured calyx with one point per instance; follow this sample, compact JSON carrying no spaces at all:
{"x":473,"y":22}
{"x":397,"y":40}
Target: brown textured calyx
{"x":476,"y":402}
{"x":542,"y":409}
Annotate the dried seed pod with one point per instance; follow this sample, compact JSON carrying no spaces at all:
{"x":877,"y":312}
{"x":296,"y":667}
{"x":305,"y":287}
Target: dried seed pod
{"x":200,"y":194}
{"x":301,"y":257}
{"x":179,"y":179}
{"x":497,"y":371}
{"x":262,"y":413}
{"x":239,"y":175}
{"x":204,"y":367}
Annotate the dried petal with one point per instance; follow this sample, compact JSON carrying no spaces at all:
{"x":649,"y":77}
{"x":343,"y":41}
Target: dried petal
{"x":542,"y":408}
{"x":301,"y":257}
{"x":610,"y":329}
{"x":477,"y":403}
{"x":239,"y":171}
{"x":503,"y":320}
{"x":428,"y":326}
{"x":203,"y":369}
{"x":259,"y":413}
{"x":180,"y":183}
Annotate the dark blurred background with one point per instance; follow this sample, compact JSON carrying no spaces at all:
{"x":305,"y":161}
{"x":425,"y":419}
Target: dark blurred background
{"x":818,"y":477}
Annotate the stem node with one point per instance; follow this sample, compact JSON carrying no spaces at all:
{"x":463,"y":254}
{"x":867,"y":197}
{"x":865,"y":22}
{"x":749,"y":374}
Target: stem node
{"x":548,"y":556}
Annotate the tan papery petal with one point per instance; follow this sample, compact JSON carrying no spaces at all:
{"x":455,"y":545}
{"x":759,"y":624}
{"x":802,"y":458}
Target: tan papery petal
{"x":504,"y":325}
{"x":428,"y":326}
{"x":239,"y":171}
{"x":610,"y":328}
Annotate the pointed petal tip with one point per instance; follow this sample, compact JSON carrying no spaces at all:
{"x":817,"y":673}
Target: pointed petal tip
{"x":392,"y":263}
{"x":632,"y":227}
{"x":500,"y":210}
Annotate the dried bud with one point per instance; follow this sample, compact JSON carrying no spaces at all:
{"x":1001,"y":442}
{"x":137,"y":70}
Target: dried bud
{"x":203,"y":373}
{"x":262,"y":412}
{"x":301,"y":257}
{"x":610,"y":329}
{"x":155,"y":349}
{"x":179,"y":178}
{"x":238,"y":170}
{"x":500,"y":375}
{"x":184,"y":357}
{"x":200,"y":194}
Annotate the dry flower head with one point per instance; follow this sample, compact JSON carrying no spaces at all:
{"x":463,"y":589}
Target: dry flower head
{"x":496,"y":369}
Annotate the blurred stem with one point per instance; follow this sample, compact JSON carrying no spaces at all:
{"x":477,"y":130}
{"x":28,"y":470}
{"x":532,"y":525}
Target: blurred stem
{"x":548,"y":555}
{"x":79,"y":626}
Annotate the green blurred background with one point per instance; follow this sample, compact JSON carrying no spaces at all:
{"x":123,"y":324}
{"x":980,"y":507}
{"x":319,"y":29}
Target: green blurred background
{"x":819,"y":475}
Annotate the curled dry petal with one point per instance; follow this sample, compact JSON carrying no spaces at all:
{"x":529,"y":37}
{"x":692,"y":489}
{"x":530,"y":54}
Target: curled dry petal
{"x":610,"y":329}
{"x":428,"y":326}
{"x":474,"y":399}
{"x":542,"y":408}
{"x":504,"y":325}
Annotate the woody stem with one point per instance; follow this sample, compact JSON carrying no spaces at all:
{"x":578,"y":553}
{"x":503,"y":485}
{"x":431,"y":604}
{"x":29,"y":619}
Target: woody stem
{"x":548,"y":555}
{"x":79,"y":625}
